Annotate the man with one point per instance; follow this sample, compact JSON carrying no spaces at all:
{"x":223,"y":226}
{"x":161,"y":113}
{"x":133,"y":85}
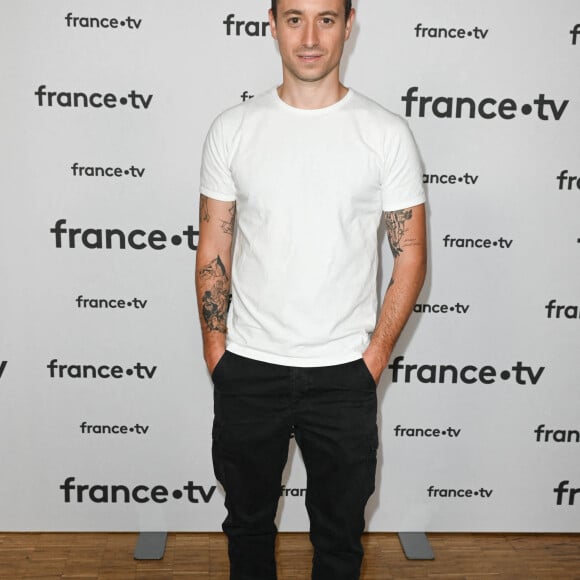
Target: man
{"x":300,"y":177}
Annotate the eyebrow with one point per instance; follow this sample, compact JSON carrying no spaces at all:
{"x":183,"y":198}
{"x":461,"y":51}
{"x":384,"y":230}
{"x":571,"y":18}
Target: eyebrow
{"x":294,"y":11}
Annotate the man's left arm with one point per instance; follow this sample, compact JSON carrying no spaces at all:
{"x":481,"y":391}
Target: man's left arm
{"x":407,"y":238}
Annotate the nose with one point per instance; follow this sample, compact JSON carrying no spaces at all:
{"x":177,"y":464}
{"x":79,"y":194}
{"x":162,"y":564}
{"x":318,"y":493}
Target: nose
{"x":310,"y":36}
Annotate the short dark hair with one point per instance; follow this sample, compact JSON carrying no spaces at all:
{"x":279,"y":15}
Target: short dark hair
{"x":347,"y":8}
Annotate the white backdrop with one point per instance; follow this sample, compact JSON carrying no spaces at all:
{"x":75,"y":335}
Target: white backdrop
{"x":105,"y":404}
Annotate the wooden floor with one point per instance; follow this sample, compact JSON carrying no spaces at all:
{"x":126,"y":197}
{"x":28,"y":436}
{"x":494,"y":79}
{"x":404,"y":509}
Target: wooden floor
{"x":196,"y":556}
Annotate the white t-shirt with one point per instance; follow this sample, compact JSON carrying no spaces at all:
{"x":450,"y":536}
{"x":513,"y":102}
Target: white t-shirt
{"x":310,"y":187}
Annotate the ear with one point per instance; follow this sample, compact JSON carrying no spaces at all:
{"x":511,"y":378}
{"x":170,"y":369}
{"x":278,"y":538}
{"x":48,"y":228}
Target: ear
{"x":272,"y":24}
{"x":349,"y":23}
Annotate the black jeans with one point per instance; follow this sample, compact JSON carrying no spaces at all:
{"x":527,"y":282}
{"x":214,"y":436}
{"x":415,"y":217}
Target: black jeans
{"x":332,"y":413}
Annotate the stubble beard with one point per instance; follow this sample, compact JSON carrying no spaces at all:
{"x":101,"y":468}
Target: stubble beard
{"x":305,"y":75}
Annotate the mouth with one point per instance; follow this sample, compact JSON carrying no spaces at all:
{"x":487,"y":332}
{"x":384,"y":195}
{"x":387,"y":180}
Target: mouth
{"x":309,"y":57}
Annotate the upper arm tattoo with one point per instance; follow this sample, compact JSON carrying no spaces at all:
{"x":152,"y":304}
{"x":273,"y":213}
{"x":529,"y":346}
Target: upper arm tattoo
{"x":203,"y":211}
{"x":396,"y":228}
{"x":228,"y":225}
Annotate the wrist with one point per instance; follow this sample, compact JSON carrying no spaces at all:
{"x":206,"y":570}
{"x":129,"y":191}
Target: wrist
{"x":213,"y":355}
{"x":214,"y":345}
{"x":379,"y":354}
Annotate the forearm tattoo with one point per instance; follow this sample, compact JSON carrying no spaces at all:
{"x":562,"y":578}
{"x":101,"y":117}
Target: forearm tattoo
{"x":215,"y":300}
{"x":396,"y":228}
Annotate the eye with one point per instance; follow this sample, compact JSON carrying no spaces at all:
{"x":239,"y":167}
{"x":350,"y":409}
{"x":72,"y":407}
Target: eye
{"x":327,"y":21}
{"x":293,"y":21}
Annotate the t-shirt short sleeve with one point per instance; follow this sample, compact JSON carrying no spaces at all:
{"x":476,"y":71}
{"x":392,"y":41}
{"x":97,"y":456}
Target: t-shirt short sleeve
{"x":216,"y":178}
{"x":402,"y":182}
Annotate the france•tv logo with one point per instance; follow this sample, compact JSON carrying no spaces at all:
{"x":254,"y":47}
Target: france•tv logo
{"x":563,"y":490}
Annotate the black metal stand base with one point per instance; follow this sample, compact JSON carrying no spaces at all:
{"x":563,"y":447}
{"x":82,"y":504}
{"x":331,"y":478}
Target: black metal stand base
{"x":150,"y":546}
{"x":416,"y":546}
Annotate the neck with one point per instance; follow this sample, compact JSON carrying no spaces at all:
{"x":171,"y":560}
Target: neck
{"x":308,"y":95}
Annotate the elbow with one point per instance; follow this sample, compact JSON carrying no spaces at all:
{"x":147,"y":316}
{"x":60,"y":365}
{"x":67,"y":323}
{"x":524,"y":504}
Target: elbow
{"x":412,"y":266}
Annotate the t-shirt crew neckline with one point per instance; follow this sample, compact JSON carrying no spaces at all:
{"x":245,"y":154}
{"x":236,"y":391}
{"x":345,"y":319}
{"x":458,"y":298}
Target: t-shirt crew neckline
{"x":298,"y":111}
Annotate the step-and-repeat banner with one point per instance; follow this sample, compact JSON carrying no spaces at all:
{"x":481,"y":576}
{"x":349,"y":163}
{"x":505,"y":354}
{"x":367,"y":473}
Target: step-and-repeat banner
{"x":105,"y":403}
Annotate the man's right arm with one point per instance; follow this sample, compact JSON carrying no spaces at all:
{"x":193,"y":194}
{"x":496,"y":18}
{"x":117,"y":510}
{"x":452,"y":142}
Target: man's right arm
{"x":213,"y":274}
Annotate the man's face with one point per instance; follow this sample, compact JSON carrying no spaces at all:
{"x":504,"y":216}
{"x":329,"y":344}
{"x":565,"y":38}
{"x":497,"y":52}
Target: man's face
{"x":311,"y":36}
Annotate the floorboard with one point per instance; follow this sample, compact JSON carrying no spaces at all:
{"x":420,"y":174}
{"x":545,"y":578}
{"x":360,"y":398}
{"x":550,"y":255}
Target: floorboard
{"x":90,"y":556}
